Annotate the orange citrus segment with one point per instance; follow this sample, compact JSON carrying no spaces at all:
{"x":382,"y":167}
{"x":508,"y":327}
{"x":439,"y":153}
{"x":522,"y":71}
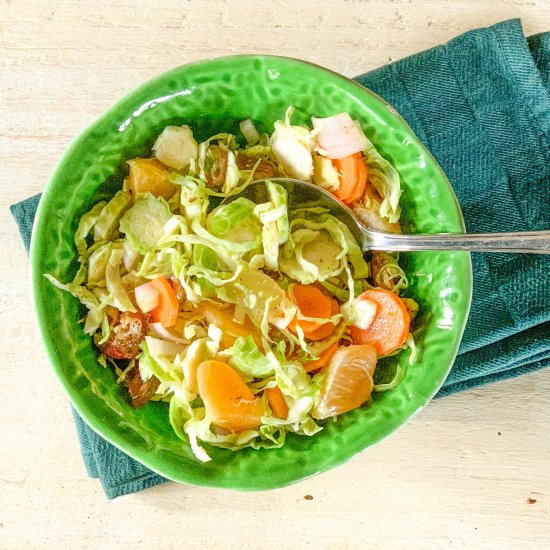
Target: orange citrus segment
{"x":348,"y":381}
{"x":222,"y":317}
{"x":149,"y":175}
{"x":228,"y":401}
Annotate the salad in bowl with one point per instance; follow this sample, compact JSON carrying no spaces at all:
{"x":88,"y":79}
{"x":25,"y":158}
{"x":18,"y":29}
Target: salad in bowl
{"x":250,"y":320}
{"x":169,"y":219}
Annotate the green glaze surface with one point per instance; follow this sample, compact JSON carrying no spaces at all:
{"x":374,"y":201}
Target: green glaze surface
{"x":211,"y":97}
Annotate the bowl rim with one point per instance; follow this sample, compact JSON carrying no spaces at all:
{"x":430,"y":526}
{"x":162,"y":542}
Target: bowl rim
{"x":107,"y":432}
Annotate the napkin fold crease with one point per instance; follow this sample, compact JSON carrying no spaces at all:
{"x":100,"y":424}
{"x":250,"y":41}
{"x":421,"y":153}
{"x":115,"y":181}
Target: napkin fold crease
{"x":481,"y":105}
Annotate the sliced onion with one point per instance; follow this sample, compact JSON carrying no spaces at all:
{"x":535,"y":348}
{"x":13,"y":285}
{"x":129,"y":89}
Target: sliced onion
{"x":342,"y":152}
{"x":365,"y":312}
{"x":147,"y":297}
{"x":157,"y":328}
{"x":340,"y":140}
{"x":339,"y":136}
{"x":249,"y":131}
{"x":331,"y":124}
{"x":163,"y":347}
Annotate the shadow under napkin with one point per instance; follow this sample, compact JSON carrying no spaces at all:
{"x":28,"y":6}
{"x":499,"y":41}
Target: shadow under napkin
{"x":481,"y":105}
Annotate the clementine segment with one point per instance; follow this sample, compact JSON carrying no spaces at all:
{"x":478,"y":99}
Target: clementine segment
{"x":223,"y":318}
{"x":228,"y":401}
{"x":348,"y":381}
{"x":149,"y":175}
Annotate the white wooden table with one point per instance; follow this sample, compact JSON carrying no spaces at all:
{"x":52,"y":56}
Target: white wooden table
{"x":471,"y":471}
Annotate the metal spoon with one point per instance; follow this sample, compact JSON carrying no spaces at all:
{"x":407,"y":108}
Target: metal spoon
{"x":301,"y":192}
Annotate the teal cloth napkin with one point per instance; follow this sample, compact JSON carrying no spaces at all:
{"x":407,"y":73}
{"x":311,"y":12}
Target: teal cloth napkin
{"x":481,"y":104}
{"x":119,"y":474}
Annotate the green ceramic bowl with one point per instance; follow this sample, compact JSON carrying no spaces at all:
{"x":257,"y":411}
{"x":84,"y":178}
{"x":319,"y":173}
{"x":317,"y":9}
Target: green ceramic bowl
{"x":213,"y":96}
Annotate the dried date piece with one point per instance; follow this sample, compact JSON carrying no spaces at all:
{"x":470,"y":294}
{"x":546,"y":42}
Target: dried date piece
{"x":127,"y":333}
{"x":140,"y":390}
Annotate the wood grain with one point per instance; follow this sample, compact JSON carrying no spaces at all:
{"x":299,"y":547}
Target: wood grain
{"x":459,"y":475}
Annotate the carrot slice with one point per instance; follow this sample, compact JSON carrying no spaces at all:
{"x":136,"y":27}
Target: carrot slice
{"x":347,"y":168}
{"x":228,"y":401}
{"x":325,"y":330}
{"x":167,"y":310}
{"x":353,"y":177}
{"x":312,"y":303}
{"x":390,"y":326}
{"x":324,"y":358}
{"x":277,"y":402}
{"x":362,"y":176}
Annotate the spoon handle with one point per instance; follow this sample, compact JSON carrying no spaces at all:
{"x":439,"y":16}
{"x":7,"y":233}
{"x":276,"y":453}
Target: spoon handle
{"x":531,"y":242}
